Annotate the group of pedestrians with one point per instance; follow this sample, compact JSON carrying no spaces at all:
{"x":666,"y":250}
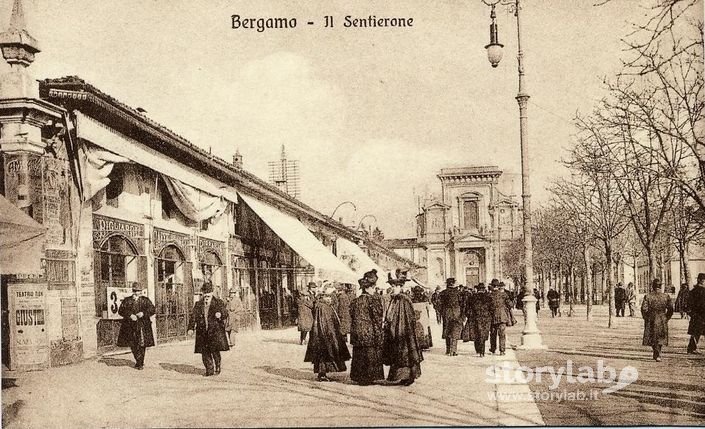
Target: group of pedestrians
{"x":474,"y":315}
{"x":383,"y":332}
{"x":657,"y":309}
{"x":210,"y":320}
{"x":623,"y":298}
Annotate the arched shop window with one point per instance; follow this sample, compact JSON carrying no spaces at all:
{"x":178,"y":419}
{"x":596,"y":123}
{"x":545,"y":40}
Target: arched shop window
{"x":213,"y":271}
{"x":116,"y":266}
{"x":173,"y":294}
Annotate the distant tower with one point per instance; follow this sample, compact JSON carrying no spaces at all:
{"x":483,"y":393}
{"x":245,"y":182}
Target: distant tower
{"x":237,"y":160}
{"x":284,"y":174}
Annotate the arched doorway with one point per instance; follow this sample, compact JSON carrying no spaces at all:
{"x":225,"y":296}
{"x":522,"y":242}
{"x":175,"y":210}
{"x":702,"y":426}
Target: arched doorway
{"x":173,"y":293}
{"x":116,"y":267}
{"x":213,"y":270}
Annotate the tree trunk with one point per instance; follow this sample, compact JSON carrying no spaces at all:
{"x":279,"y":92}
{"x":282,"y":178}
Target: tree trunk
{"x":571,"y":291}
{"x":610,"y":284}
{"x":652,"y":264}
{"x":588,"y":281}
{"x":686,"y":264}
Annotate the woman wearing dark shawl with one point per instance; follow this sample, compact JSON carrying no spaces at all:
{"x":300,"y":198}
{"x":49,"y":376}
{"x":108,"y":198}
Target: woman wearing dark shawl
{"x":326,"y":347}
{"x":401,"y":346}
{"x":366,"y":336}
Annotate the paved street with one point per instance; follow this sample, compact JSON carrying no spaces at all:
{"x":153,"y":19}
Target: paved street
{"x":264,"y":383}
{"x":671,"y":392}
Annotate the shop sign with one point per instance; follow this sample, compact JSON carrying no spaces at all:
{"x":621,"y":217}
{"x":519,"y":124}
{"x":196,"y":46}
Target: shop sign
{"x":29,"y":346}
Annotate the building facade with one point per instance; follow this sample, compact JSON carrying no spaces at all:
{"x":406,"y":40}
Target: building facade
{"x":118,"y":198}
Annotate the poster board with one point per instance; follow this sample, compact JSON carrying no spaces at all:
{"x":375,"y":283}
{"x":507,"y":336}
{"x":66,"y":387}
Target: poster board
{"x":29,"y":345}
{"x":115,"y":297}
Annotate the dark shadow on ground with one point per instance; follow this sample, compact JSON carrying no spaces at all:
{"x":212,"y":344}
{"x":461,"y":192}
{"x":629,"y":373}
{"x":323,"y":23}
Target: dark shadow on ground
{"x":8,"y":383}
{"x":9,"y":413}
{"x":294,"y":374}
{"x":674,"y":385}
{"x":182,"y":368}
{"x":116,"y":362}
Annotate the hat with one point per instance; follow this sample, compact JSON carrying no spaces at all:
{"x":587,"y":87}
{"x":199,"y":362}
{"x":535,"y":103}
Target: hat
{"x":136,"y":286}
{"x":501,"y":284}
{"x":364,"y":283}
{"x":656,"y":284}
{"x":480,"y":286}
{"x":330,"y":290}
{"x":371,"y":276}
{"x":207,"y":287}
{"x":494,"y":283}
{"x":450,"y":282}
{"x":701,"y":277}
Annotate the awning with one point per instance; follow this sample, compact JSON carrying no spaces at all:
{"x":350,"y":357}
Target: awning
{"x":21,"y":241}
{"x":358,"y":260}
{"x":303,"y":242}
{"x":111,"y":140}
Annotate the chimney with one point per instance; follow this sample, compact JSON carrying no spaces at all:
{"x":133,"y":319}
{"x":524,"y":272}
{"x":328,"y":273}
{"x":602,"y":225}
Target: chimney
{"x":237,"y":160}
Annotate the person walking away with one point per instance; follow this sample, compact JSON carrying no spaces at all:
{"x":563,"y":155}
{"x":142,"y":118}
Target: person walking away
{"x":235,"y":312}
{"x":619,"y":296}
{"x":554,"y":301}
{"x":326,"y":348}
{"x":343,"y":310}
{"x":136,"y":326}
{"x":436,"y":306}
{"x":366,"y":334}
{"x":631,"y":299}
{"x":696,"y":310}
{"x":656,"y":310}
{"x":208,"y":321}
{"x":479,"y":317}
{"x":420,"y":299}
{"x":501,"y":314}
{"x":304,"y":307}
{"x":453,"y":318}
{"x":682,"y":300}
{"x":401,"y":350}
{"x":537,"y":295}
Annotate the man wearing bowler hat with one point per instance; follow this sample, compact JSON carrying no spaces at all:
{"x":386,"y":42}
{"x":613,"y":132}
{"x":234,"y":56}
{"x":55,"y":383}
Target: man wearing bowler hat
{"x":208,"y":320}
{"x":502,"y":317}
{"x":136,"y":327}
{"x":450,"y":303}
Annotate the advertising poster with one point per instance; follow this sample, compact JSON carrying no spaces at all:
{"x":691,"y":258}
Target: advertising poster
{"x":28,"y":337}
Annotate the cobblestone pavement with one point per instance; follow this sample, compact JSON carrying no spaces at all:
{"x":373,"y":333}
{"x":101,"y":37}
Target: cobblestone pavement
{"x":671,"y":392}
{"x":264,"y":383}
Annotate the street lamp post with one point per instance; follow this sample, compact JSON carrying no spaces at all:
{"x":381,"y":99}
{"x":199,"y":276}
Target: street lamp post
{"x":339,"y":206}
{"x":531,"y":336}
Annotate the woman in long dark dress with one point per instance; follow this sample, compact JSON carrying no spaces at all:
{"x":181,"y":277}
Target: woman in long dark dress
{"x":401,"y":347}
{"x":326,"y":347}
{"x":366,"y":336}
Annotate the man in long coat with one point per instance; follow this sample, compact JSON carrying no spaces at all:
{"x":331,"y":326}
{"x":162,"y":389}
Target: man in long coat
{"x":656,"y":310}
{"x":344,"y":311}
{"x":366,"y":335}
{"x":619,"y":299}
{"x":501,"y":318}
{"x":401,"y":351}
{"x":479,"y":314}
{"x":450,"y":303}
{"x":326,"y":348}
{"x":208,"y":319}
{"x":436,"y":305}
{"x":554,"y":301}
{"x":304,"y":321}
{"x":235,"y":312}
{"x":136,"y":327}
{"x":696,"y":310}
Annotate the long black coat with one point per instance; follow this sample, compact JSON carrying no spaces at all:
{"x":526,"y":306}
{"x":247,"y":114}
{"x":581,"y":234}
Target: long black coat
{"x":214,"y":337}
{"x":401,"y":345}
{"x":656,"y":310}
{"x":480,"y":316}
{"x":304,"y":304}
{"x":326,"y":345}
{"x":367,"y":318}
{"x":344,"y":312}
{"x":136,"y":332}
{"x":450,"y":304}
{"x":696,"y":310}
{"x":502,"y":308}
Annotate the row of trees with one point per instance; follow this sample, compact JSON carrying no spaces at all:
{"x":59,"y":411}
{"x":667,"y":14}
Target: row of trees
{"x":637,"y":166}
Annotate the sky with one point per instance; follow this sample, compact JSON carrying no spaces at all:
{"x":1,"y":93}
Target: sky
{"x":372,"y":115}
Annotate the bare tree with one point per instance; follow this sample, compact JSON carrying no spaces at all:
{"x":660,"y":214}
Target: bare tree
{"x":594,"y":191}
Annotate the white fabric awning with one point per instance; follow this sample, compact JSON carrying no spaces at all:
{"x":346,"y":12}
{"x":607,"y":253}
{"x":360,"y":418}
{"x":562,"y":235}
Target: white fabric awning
{"x":327,"y":266}
{"x":21,"y":241}
{"x":358,"y":260}
{"x":109,"y":139}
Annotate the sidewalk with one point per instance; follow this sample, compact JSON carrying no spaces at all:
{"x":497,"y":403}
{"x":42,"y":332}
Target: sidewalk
{"x":264,"y":383}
